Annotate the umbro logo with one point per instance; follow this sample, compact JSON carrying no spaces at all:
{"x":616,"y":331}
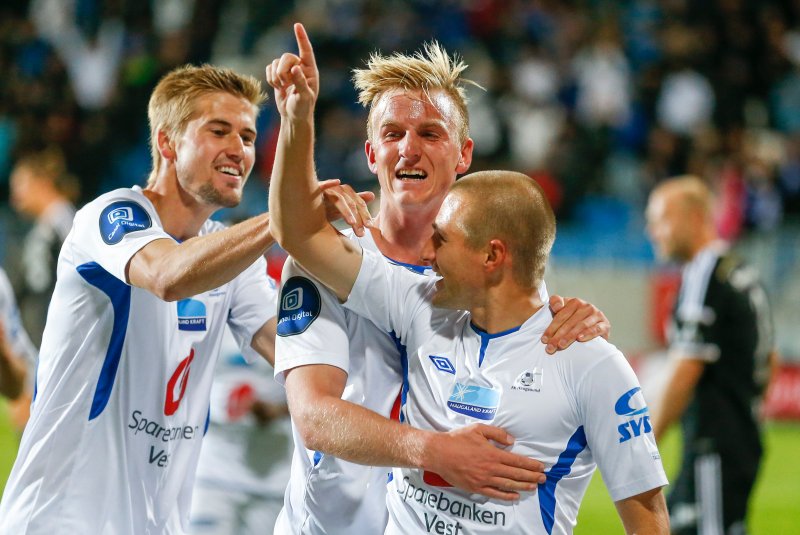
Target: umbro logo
{"x":443,"y":364}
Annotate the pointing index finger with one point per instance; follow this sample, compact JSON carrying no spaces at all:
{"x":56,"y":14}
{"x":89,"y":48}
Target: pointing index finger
{"x":304,"y":45}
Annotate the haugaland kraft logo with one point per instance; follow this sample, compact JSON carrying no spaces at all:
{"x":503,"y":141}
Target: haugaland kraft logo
{"x":176,"y":386}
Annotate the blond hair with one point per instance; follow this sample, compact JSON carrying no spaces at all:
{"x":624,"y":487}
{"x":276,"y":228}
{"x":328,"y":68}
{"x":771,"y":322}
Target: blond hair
{"x":691,"y":192}
{"x":172,"y":104}
{"x":513,"y":208}
{"x":432,"y":69}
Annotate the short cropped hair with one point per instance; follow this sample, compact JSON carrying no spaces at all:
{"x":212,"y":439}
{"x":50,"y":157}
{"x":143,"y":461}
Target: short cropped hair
{"x":49,"y":165}
{"x":692,"y":193}
{"x":172,"y":104}
{"x":433,"y":69}
{"x":511,"y":207}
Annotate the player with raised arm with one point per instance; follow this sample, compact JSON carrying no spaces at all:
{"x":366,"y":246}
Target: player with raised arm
{"x":295,"y":80}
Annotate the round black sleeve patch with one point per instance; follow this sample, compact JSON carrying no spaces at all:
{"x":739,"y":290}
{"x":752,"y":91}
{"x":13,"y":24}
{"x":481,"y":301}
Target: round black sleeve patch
{"x":120,"y":218}
{"x":300,"y":305}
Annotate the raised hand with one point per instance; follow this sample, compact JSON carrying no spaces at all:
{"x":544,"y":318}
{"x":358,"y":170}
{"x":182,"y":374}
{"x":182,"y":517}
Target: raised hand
{"x":295,"y":79}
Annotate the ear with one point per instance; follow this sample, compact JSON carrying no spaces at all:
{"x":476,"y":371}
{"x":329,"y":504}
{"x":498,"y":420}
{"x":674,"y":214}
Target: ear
{"x":371,"y":161}
{"x":465,"y":157}
{"x":165,"y":146}
{"x":496,"y":255}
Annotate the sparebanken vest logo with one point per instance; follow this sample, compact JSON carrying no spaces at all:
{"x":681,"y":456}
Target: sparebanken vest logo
{"x":176,"y":386}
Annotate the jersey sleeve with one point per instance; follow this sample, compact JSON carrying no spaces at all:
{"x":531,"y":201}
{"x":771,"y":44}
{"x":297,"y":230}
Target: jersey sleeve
{"x":115,"y":227}
{"x":254,"y":303}
{"x":388,"y":295}
{"x":617,"y":425}
{"x":312,"y":327}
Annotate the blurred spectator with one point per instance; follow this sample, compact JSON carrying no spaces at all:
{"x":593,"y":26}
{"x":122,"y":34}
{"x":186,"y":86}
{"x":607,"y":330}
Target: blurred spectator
{"x":92,"y":61}
{"x":604,"y":97}
{"x":42,"y":190}
{"x":246,"y":455}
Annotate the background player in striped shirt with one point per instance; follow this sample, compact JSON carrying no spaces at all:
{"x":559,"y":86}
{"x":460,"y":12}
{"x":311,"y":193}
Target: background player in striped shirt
{"x":722,"y":351}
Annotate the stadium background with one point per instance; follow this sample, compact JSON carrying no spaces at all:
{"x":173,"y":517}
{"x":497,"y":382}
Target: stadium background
{"x":597,"y":100}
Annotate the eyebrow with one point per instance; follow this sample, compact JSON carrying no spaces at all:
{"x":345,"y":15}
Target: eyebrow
{"x":223,"y":122}
{"x":426,"y":124}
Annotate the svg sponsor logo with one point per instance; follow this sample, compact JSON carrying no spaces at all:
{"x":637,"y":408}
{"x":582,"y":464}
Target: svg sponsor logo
{"x":632,"y":405}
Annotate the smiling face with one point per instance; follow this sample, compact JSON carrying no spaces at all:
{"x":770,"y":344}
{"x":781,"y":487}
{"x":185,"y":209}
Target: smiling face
{"x":415,"y":149}
{"x":216,"y":150}
{"x":458,"y":264}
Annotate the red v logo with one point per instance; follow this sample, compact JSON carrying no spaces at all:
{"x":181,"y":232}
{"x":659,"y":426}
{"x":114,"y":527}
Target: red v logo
{"x":176,"y":386}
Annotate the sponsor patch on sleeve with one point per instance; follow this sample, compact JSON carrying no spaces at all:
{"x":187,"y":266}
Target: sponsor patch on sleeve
{"x":299,"y":306}
{"x":120,"y":218}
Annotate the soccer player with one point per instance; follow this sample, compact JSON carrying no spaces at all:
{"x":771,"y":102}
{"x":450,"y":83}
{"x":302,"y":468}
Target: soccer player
{"x":146,"y":285}
{"x":42,"y":190}
{"x":417,"y":118}
{"x":722,"y":356}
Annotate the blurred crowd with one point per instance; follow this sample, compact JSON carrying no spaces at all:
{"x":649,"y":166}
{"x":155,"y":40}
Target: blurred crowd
{"x":595,"y":98}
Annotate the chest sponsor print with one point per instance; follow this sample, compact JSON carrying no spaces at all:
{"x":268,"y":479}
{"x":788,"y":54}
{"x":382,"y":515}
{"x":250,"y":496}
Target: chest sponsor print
{"x":475,"y":401}
{"x":191,"y":315}
{"x":529,"y":380}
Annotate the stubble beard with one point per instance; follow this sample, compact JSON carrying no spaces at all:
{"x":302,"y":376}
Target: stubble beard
{"x":210,"y":195}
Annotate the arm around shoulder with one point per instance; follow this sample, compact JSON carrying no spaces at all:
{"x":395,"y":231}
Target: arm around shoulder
{"x":174,"y":271}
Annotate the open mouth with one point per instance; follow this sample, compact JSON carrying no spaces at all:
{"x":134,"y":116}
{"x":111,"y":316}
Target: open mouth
{"x":411,"y":174}
{"x":230,"y":171}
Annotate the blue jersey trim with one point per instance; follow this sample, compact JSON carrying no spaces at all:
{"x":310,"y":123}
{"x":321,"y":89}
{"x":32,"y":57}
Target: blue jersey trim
{"x":35,"y":381}
{"x":208,"y":420}
{"x":547,"y":492}
{"x":317,"y":457}
{"x":404,"y":363}
{"x":486,"y":337}
{"x":413,"y":267}
{"x":120,"y":295}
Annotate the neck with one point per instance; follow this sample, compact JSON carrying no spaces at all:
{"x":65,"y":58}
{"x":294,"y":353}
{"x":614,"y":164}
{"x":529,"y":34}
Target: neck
{"x":181,"y":215}
{"x":44,"y":202}
{"x":402,"y":235}
{"x":505,"y":308}
{"x":705,"y":237}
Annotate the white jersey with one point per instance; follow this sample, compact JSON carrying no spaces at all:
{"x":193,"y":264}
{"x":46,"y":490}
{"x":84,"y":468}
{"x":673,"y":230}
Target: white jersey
{"x":569,"y":410}
{"x":122,"y":387}
{"x":327,"y":495}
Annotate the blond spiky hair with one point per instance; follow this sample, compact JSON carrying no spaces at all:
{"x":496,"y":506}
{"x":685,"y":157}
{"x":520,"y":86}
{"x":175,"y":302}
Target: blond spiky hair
{"x":431,"y":69}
